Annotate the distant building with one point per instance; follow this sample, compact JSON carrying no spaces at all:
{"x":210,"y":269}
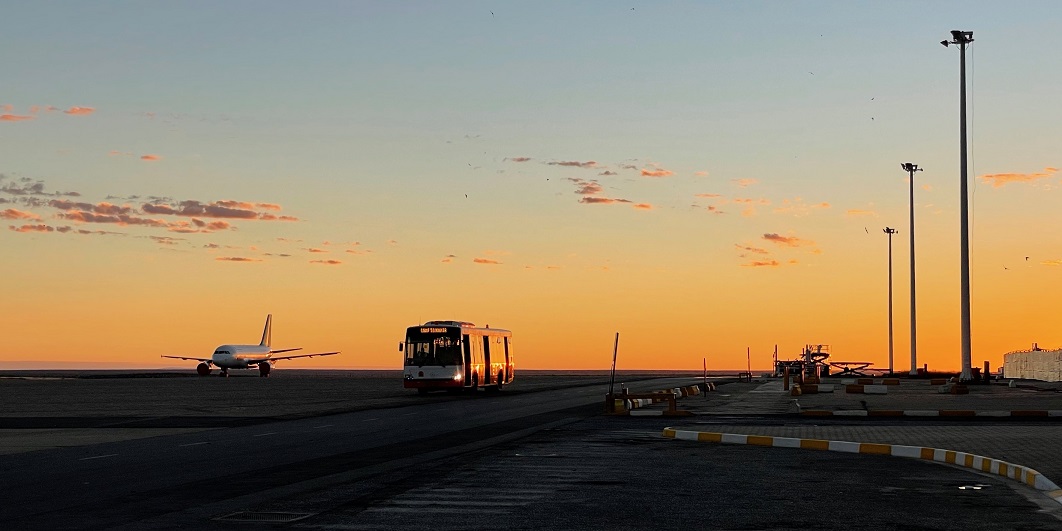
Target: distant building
{"x":1035,"y":364}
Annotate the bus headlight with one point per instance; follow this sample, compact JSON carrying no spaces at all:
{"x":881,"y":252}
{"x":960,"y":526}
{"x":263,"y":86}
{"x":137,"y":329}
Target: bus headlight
{"x":457,"y":378}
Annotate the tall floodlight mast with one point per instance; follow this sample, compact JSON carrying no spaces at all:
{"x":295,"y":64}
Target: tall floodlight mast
{"x":961,"y":39}
{"x":890,"y":231}
{"x":911,"y":169}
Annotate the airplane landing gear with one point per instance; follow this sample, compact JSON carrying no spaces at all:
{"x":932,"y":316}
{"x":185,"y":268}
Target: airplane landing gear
{"x":224,"y":373}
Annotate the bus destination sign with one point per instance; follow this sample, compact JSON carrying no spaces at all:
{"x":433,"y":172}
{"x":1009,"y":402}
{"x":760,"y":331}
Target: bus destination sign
{"x":433,"y":330}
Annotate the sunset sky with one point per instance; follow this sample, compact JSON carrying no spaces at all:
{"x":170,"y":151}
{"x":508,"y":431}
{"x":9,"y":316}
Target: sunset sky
{"x":701,"y":177}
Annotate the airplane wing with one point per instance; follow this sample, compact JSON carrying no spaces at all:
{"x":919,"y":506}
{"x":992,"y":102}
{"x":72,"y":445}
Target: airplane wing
{"x":302,"y":356}
{"x":207,"y":360}
{"x":284,"y":350}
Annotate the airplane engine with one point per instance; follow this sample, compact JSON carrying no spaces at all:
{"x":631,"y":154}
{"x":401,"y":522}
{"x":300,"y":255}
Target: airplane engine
{"x":203,"y":369}
{"x":263,"y":369}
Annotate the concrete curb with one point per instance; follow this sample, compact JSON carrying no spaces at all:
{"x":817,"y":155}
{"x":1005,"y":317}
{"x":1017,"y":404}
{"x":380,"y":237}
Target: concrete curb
{"x":930,"y":413}
{"x":1012,"y":471}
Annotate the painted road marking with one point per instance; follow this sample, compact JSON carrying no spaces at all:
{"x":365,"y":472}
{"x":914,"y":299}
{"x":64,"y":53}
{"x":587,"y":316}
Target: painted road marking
{"x":324,"y":426}
{"x":369,"y":420}
{"x":96,"y":457}
{"x":194,"y":444}
{"x":264,"y":434}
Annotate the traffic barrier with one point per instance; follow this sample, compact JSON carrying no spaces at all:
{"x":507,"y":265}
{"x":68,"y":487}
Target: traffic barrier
{"x":865,"y":381}
{"x":976,"y":462}
{"x":890,"y":381}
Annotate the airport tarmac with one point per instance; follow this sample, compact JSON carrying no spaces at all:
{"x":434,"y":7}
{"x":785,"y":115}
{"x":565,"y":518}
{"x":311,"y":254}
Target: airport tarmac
{"x":51,"y":409}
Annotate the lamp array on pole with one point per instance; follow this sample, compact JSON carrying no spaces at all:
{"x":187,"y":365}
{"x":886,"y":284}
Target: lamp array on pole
{"x":962,"y":39}
{"x":890,"y":231}
{"x":911,"y":168}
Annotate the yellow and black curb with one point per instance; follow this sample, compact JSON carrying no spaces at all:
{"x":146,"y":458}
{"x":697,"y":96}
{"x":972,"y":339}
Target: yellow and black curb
{"x":1012,"y":471}
{"x":1024,"y":413}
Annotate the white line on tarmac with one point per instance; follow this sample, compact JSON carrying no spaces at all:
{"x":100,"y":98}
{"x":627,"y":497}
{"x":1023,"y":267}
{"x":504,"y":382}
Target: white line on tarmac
{"x":194,"y":444}
{"x":96,"y":457}
{"x":408,"y":414}
{"x":324,"y":426}
{"x":264,"y":434}
{"x":369,"y":420}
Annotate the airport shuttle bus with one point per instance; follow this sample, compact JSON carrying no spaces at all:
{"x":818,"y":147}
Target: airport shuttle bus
{"x":456,"y":355}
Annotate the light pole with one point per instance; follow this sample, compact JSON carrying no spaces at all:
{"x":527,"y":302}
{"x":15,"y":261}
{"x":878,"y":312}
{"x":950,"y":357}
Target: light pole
{"x":911,"y":169}
{"x":961,"y":39}
{"x":890,"y":231}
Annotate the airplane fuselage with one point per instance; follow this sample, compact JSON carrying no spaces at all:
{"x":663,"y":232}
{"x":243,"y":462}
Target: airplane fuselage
{"x":239,"y":356}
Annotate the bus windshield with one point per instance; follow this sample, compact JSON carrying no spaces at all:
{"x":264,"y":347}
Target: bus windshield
{"x":433,"y":351}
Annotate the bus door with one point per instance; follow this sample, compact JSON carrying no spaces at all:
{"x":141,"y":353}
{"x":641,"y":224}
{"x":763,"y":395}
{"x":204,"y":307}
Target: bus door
{"x":508,"y":362}
{"x":489,"y":377}
{"x":468,"y":359}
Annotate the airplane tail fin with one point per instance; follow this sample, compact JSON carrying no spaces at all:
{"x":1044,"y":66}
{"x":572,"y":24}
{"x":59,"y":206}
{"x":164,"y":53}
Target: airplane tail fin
{"x":267,"y":333}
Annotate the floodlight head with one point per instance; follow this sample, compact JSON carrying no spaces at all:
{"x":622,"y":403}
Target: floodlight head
{"x":945,"y":43}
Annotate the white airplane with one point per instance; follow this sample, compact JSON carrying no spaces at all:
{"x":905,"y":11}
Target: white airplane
{"x":245,"y":356}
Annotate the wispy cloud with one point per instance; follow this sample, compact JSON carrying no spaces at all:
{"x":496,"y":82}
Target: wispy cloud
{"x":750,"y":249}
{"x":586,"y":187}
{"x":708,"y":196}
{"x":590,"y":200}
{"x":80,"y":110}
{"x":608,"y":172}
{"x":1052,"y":262}
{"x":854,"y":212}
{"x":486,"y":261}
{"x":18,"y":214}
{"x":448,"y":258}
{"x":14,"y":118}
{"x":32,"y":228}
{"x":642,"y":206}
{"x":714,"y":209}
{"x":166,"y":240}
{"x":658,"y":172}
{"x":150,"y":157}
{"x":326,"y":262}
{"x":316,"y":250}
{"x":574,"y":163}
{"x":237,"y":259}
{"x":29,"y":187}
{"x":744,"y":183}
{"x":750,"y":205}
{"x":518,"y":159}
{"x":797,"y":207}
{"x":999,"y":180}
{"x":762,"y":263}
{"x":225,"y":209}
{"x":701,"y":173}
{"x":788,"y":241}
